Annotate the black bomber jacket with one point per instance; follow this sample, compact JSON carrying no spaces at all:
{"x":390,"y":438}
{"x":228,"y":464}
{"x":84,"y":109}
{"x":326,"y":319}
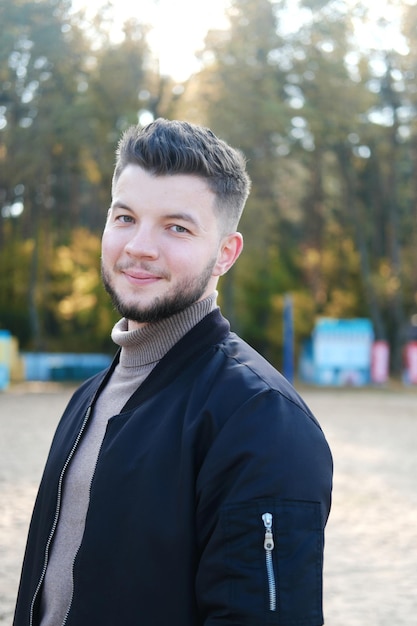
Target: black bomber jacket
{"x":209,"y":499}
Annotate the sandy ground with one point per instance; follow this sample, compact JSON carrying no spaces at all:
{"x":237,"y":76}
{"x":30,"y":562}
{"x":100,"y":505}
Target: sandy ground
{"x":371,"y":542}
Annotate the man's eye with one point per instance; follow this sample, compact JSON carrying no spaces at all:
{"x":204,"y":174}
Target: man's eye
{"x":179,"y":229}
{"x":125,"y":219}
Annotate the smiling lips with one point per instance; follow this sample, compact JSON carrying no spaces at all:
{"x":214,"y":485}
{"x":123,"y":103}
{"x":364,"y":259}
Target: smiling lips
{"x":140,"y":276}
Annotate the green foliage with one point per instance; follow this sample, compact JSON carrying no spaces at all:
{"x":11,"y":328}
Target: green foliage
{"x":14,"y":314}
{"x":77,"y":306}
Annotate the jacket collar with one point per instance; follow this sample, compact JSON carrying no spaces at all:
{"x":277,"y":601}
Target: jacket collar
{"x":211,"y":330}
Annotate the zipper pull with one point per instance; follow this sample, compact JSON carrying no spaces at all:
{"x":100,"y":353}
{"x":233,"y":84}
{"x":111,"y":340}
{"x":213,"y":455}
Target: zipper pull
{"x":269,"y":540}
{"x":269,"y":546}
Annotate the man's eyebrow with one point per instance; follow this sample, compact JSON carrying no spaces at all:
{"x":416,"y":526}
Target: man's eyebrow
{"x":120,"y":205}
{"x":183,"y":217}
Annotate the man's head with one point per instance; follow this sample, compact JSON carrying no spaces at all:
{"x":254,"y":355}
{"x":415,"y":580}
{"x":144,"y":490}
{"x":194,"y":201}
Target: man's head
{"x":165,"y":148}
{"x":177,"y":196}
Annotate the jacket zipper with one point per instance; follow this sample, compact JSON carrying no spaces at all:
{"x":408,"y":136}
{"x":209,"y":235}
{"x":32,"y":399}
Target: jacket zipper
{"x":57,"y":511}
{"x":74,"y":559}
{"x":269,"y":546}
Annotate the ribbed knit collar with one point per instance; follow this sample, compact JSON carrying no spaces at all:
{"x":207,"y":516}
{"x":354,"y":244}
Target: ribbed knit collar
{"x":147,"y":345}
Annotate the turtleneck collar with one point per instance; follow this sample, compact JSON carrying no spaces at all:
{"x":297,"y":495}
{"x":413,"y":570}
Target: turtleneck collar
{"x":147,"y":345}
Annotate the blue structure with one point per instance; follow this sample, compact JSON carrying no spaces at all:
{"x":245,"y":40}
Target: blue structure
{"x":340,"y":353}
{"x":44,"y":366}
{"x":288,"y":339}
{"x":5,"y":358}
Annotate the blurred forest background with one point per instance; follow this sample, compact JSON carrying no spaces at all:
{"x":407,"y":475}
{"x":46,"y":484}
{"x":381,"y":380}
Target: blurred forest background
{"x":324,"y":114}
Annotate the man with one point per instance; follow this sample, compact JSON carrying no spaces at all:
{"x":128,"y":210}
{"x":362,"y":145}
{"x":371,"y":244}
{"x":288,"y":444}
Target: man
{"x":189,"y":484}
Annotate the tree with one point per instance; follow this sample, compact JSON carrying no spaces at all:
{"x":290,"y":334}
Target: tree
{"x":240,"y":94}
{"x":40,"y":69}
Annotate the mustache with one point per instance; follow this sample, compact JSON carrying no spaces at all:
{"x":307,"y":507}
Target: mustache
{"x":143,"y":266}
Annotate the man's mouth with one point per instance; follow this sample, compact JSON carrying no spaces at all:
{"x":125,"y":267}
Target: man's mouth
{"x":141,"y":276}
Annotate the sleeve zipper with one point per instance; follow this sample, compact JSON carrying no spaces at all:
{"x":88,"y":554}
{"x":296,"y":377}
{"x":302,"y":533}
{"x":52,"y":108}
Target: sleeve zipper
{"x":269,"y":546}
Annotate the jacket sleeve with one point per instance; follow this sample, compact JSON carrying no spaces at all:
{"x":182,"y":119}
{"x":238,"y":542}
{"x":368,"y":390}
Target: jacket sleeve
{"x":264,"y":494}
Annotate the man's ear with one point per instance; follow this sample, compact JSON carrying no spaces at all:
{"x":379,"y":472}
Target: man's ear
{"x":230,"y":249}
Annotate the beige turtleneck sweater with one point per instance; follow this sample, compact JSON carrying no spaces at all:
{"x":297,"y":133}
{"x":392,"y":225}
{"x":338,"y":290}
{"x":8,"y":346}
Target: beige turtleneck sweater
{"x":141,"y":350}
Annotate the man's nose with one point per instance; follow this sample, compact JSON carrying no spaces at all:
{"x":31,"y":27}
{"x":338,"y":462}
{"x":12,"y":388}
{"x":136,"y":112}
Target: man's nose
{"x":143,"y":243}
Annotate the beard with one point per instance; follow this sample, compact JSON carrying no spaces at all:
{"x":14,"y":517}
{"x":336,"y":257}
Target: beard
{"x":188,"y":291}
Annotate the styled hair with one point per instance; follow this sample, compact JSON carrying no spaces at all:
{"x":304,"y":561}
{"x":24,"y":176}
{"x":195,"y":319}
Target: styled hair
{"x":165,"y":148}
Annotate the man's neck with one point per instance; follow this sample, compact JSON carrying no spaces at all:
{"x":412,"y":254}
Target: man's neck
{"x":151,"y":342}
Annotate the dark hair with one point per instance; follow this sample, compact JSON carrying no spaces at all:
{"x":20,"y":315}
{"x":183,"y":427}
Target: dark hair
{"x":166,"y":147}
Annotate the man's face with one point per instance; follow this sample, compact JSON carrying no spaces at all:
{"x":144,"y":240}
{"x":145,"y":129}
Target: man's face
{"x":161,"y":248}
